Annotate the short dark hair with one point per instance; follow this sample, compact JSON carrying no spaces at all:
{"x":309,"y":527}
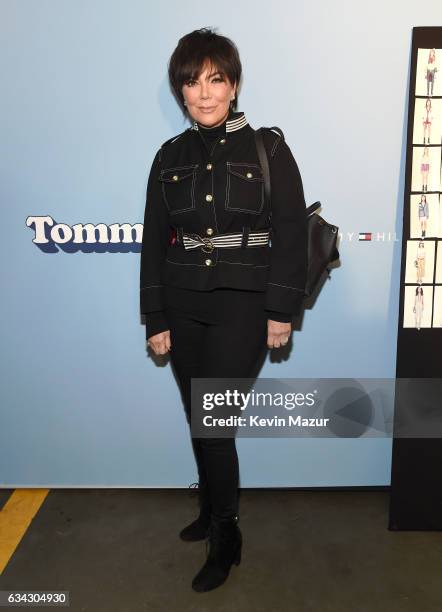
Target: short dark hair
{"x":189,"y":56}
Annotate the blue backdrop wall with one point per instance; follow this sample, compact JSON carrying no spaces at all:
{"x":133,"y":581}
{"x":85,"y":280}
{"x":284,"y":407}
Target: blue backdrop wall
{"x":85,"y":104}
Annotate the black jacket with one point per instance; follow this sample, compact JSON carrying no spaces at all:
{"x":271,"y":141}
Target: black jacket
{"x":210,"y":186}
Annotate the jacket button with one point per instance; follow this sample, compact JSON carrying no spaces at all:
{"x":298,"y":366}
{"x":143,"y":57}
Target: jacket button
{"x":209,"y":231}
{"x":208,"y":197}
{"x":175,"y":177}
{"x":222,"y":141}
{"x":208,"y":262}
{"x":249,"y":175}
{"x":209,"y":166}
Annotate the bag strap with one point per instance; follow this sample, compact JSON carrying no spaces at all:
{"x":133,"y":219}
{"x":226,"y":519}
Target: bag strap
{"x":262,"y":155}
{"x":311,"y":209}
{"x":264,"y":161}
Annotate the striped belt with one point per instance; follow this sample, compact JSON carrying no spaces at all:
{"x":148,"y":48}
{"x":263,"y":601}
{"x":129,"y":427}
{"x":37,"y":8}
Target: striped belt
{"x":235,"y":239}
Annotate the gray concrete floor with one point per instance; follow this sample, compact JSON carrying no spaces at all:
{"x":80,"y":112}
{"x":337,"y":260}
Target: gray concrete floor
{"x":310,"y":551}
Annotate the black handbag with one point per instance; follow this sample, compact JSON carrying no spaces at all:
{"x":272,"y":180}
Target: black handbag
{"x":322,"y":236}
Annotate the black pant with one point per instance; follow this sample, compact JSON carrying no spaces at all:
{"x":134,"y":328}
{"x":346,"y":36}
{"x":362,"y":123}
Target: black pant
{"x":216,"y":334}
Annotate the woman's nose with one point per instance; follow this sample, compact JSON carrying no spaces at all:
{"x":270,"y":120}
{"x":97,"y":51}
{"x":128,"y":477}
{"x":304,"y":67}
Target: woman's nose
{"x":204,"y":91}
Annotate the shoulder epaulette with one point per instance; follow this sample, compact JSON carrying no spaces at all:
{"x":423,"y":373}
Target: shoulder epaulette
{"x":171,"y":140}
{"x":278,"y":131}
{"x":277,"y":140}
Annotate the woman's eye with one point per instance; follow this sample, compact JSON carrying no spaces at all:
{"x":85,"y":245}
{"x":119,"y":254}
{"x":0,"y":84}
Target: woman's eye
{"x":190,"y":82}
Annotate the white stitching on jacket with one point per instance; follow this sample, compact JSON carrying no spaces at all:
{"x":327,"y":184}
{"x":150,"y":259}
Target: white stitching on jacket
{"x":239,"y":263}
{"x":213,"y":202}
{"x":178,"y":263}
{"x":164,"y":170}
{"x":287,"y":286}
{"x":275,"y":144}
{"x":150,"y":286}
{"x":227,"y":200}
{"x":192,"y":189}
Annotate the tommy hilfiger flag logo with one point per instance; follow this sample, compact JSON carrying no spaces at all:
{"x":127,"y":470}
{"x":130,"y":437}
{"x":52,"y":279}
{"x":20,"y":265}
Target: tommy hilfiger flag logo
{"x":364,"y":235}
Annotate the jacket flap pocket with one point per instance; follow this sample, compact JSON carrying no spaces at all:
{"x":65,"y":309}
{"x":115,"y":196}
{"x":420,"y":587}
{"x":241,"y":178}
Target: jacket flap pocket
{"x":175,"y":175}
{"x":248,"y":172}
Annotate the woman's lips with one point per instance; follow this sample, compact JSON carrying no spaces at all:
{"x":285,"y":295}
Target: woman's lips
{"x":207,"y":110}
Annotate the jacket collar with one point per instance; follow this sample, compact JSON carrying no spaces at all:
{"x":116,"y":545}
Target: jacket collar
{"x":235,"y":121}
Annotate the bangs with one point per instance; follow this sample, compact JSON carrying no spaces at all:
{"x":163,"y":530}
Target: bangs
{"x":195,"y":67}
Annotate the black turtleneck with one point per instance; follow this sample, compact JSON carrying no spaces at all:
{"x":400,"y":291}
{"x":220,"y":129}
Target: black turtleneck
{"x":210,"y":134}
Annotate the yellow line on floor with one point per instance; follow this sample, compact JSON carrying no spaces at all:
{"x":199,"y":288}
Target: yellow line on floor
{"x":15,"y":518}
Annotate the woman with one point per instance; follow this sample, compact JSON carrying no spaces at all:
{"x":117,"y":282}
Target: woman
{"x":430,"y":71}
{"x":423,"y":214}
{"x":216,"y":292}
{"x":420,"y":262}
{"x":427,"y":120}
{"x":425,"y":168}
{"x":418,"y":307}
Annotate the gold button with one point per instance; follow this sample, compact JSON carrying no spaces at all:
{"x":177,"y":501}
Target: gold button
{"x":208,"y":262}
{"x":209,"y":197}
{"x":175,"y":177}
{"x":209,"y":166}
{"x":222,"y":141}
{"x":209,"y":231}
{"x":249,"y":175}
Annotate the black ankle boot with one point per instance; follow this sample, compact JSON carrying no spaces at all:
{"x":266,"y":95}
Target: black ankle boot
{"x":224,"y":544}
{"x":199,"y":528}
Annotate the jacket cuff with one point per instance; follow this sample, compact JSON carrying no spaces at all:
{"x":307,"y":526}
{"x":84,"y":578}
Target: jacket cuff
{"x":156,"y":323}
{"x":290,"y":297}
{"x":282,"y":317}
{"x":151,"y":298}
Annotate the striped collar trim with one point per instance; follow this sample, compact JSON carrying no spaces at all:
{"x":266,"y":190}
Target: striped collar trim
{"x":237,"y":121}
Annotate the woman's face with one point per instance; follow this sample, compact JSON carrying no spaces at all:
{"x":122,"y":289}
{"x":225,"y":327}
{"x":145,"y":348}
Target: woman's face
{"x":208,"y":97}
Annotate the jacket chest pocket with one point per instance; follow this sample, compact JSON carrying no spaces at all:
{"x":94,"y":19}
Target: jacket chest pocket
{"x":178,"y":186}
{"x":244,"y":188}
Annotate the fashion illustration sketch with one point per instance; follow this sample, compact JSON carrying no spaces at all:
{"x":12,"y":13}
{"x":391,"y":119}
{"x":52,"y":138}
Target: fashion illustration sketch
{"x":418,"y":307}
{"x":430,"y":71}
{"x":425,"y":168}
{"x":420,"y":262}
{"x":427,"y":120}
{"x":423,"y":214}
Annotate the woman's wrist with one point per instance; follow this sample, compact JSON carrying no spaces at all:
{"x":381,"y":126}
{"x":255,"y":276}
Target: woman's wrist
{"x":156,"y":323}
{"x":281,"y":317}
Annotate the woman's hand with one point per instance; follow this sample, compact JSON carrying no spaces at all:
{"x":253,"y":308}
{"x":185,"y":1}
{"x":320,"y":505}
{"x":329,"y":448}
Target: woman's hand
{"x":160,"y":343}
{"x":278,"y":333}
